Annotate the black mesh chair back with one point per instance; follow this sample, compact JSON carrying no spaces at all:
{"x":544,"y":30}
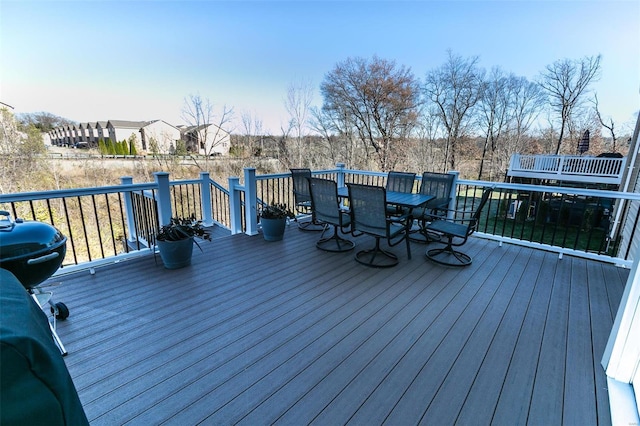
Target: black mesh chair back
{"x":325,"y":206}
{"x":369,"y":216}
{"x":367,"y":204}
{"x":439,"y":185}
{"x":302,"y":198}
{"x":456,"y":232}
{"x":400,"y":181}
{"x":301,"y":194}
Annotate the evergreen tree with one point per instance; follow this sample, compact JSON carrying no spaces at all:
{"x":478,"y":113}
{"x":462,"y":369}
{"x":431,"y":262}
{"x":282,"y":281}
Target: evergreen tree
{"x":111,"y":148}
{"x":132,"y":145}
{"x":102,"y":147}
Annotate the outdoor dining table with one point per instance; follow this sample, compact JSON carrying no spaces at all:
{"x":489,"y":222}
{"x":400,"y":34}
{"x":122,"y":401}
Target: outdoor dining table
{"x":401,"y":199}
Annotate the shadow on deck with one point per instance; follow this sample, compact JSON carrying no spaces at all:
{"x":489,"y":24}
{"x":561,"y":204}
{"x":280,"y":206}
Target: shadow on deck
{"x":259,"y":333}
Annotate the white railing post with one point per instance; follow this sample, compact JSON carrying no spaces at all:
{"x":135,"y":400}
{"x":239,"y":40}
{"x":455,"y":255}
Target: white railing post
{"x":164,"y":198}
{"x":128,"y":209}
{"x":205,"y":198}
{"x":235,"y":205}
{"x":454,"y":194}
{"x":340,"y":177}
{"x":514,"y":163}
{"x":251,"y":201}
{"x":560,"y":167}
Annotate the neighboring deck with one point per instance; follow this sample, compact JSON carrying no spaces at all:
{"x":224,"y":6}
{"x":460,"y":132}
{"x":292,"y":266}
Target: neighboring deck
{"x":257,"y":333}
{"x":568,"y":168}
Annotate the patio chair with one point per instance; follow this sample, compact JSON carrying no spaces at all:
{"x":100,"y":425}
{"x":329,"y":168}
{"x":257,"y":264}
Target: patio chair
{"x":439,"y":185}
{"x":456,"y":232}
{"x":302,"y":198}
{"x":325,"y":208}
{"x":399,"y":182}
{"x":369,"y":216}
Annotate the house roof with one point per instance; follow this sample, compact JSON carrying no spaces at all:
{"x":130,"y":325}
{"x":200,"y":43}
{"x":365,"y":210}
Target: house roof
{"x":187,"y":129}
{"x":127,"y":124}
{"x":155,"y":121}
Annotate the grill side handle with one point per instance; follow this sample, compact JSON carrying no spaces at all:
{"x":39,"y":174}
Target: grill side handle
{"x":43,"y":259}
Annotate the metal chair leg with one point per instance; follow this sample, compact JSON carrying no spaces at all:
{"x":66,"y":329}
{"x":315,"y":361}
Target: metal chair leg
{"x":448,"y":256}
{"x":386,"y":259}
{"x":334,"y":243}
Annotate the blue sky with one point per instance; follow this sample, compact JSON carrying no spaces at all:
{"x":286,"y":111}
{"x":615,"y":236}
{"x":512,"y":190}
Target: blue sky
{"x":138,"y":60}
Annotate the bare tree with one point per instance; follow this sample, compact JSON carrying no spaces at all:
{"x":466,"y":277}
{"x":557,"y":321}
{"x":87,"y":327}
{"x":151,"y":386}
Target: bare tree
{"x":494,"y":113}
{"x":21,"y":149}
{"x":252,"y":134}
{"x":339,"y":140}
{"x":610,"y":126}
{"x":566,"y":81}
{"x":428,"y":151}
{"x":43,"y":121}
{"x":380,"y":101}
{"x":527,"y":102}
{"x":297,"y":104}
{"x":206,"y":130}
{"x":455,"y":89}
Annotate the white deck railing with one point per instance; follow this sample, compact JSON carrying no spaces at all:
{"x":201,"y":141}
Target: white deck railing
{"x":568,"y":168}
{"x":83,"y":213}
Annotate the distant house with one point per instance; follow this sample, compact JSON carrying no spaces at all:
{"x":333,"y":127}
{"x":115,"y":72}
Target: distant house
{"x":120,"y":130}
{"x":83,"y":131}
{"x":207,"y":139}
{"x":101,"y":130}
{"x":67,"y":135}
{"x":75,"y":134}
{"x":54,"y":135}
{"x":160,"y":137}
{"x":88,"y":134}
{"x":149,"y":136}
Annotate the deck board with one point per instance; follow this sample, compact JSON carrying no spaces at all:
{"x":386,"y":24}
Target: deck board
{"x":257,"y":332}
{"x":579,"y":387}
{"x":514,"y":401}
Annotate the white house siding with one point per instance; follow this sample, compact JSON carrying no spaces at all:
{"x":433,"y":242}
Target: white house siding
{"x":627,"y":242}
{"x":621,"y":357}
{"x":211,"y":139}
{"x":124,"y":133}
{"x":120,"y":130}
{"x":46,"y":138}
{"x":164,"y":134}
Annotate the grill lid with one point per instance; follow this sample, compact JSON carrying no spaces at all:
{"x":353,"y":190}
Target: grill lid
{"x":20,"y":238}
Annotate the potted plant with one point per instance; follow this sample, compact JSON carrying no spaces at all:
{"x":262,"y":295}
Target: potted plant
{"x":273,"y":218}
{"x":175,"y":241}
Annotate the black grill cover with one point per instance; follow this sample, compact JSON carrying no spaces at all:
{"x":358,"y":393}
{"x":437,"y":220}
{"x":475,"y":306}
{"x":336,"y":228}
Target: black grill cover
{"x":35,"y":385}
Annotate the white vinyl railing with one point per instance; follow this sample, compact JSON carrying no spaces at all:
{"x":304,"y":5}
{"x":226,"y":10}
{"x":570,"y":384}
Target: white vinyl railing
{"x":568,"y":168}
{"x":120,"y":220}
{"x":564,"y":221}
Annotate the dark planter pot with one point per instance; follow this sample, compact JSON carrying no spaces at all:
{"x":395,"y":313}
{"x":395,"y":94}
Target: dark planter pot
{"x":176,"y":254}
{"x":273,"y":229}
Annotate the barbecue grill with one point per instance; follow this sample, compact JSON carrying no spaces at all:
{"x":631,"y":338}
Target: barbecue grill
{"x":33,"y":251}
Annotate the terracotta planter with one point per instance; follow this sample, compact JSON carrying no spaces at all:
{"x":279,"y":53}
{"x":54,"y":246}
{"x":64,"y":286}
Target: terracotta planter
{"x":176,"y":254}
{"x":273,"y":229}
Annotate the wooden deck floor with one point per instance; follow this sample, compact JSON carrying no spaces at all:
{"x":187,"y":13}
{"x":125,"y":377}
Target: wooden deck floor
{"x":259,"y":333}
